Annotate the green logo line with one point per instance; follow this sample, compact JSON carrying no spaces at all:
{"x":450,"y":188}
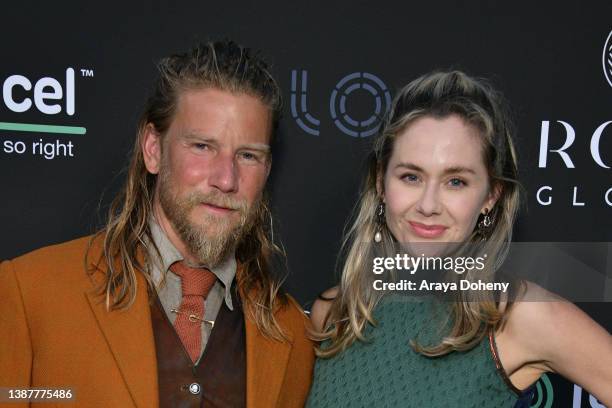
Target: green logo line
{"x":31,"y":127}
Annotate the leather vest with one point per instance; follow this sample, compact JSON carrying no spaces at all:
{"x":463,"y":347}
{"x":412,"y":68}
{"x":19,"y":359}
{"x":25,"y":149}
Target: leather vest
{"x":219,"y":378}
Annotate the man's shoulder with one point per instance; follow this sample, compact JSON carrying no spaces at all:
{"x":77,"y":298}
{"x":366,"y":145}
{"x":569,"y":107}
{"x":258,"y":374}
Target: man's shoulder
{"x":56,"y":259}
{"x":292,"y":315}
{"x":63,"y":250}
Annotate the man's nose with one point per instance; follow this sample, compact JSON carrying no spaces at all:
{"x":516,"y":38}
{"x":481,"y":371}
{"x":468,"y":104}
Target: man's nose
{"x":429,"y":201}
{"x":224,"y":174}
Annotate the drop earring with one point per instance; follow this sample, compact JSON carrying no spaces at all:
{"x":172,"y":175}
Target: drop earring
{"x":380,"y":214}
{"x":484,"y":225}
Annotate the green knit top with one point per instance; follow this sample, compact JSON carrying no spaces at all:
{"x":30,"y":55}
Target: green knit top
{"x":387,"y":372}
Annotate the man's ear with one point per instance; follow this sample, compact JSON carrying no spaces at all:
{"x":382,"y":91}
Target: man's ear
{"x":151,"y":149}
{"x":494,"y":194}
{"x":268,"y":166}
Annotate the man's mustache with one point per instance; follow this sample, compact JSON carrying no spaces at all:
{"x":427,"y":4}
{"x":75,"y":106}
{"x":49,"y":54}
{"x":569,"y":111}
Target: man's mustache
{"x":218,"y":200}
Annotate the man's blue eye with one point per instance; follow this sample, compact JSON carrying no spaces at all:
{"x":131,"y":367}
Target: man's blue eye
{"x":410,"y":177}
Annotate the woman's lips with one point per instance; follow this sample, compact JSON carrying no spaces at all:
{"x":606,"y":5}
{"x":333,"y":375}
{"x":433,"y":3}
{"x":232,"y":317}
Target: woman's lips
{"x":427,"y":231}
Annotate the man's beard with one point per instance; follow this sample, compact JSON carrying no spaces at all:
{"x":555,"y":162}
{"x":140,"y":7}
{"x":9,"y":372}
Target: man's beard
{"x":213,"y":238}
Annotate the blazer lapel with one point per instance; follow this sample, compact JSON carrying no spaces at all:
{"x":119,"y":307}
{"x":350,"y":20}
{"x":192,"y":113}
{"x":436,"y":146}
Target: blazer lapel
{"x":266,"y":364}
{"x":129,"y":335}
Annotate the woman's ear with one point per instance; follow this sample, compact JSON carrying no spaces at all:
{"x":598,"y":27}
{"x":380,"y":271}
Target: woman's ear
{"x":494,"y":195}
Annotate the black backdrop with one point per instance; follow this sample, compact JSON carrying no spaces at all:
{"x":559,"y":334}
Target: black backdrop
{"x":335,"y":61}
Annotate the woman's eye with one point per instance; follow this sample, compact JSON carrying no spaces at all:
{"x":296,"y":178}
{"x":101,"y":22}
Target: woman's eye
{"x":455,"y":182}
{"x":410,"y":178}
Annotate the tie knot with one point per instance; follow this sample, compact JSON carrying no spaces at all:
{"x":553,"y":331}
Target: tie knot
{"x":194,"y":281}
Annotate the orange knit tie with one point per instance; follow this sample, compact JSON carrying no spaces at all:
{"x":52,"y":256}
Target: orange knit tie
{"x":195,"y":284}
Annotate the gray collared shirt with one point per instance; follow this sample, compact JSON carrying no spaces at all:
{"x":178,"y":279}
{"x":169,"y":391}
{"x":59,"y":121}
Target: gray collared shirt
{"x":168,"y":284}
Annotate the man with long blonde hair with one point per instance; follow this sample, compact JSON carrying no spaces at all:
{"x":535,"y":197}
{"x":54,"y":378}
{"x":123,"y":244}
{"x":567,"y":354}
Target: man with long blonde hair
{"x":176,"y":303}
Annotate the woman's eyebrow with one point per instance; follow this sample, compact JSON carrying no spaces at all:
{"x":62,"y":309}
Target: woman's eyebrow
{"x":410,"y":166}
{"x":459,"y":169}
{"x":448,"y":170}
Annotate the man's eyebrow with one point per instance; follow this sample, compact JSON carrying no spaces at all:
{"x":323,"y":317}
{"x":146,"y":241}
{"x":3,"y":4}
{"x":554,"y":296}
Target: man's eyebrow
{"x":262,"y":147}
{"x":198,"y":136}
{"x":448,"y":170}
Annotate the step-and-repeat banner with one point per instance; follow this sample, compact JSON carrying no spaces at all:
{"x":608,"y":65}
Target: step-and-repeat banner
{"x":86,"y":70}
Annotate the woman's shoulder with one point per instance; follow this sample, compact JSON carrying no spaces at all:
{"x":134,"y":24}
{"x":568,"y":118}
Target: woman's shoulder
{"x":547,"y":333}
{"x":321,"y":306}
{"x":536,"y":309}
{"x":537,"y":314}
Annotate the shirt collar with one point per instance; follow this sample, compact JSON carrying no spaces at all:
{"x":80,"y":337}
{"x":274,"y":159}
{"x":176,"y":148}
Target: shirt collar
{"x":225,"y":271}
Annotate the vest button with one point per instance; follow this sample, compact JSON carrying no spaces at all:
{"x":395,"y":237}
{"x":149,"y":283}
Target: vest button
{"x":195,"y":388}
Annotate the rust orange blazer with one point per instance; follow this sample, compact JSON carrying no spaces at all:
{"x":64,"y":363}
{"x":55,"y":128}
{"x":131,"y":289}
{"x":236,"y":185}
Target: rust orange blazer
{"x":54,"y":332}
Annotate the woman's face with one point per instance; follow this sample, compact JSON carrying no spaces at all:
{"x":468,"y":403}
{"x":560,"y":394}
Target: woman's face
{"x":436,"y":183}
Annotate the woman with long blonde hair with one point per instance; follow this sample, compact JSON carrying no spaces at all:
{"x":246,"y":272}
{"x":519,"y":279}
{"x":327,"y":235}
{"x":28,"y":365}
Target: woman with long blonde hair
{"x":442,"y":178}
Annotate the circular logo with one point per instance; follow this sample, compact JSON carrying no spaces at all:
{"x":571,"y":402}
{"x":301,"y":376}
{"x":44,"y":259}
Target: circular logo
{"x":606,"y":59}
{"x":337,"y":103}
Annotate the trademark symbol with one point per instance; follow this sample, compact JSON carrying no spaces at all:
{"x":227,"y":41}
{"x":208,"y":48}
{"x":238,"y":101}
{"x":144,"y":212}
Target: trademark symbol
{"x":88,"y":73}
